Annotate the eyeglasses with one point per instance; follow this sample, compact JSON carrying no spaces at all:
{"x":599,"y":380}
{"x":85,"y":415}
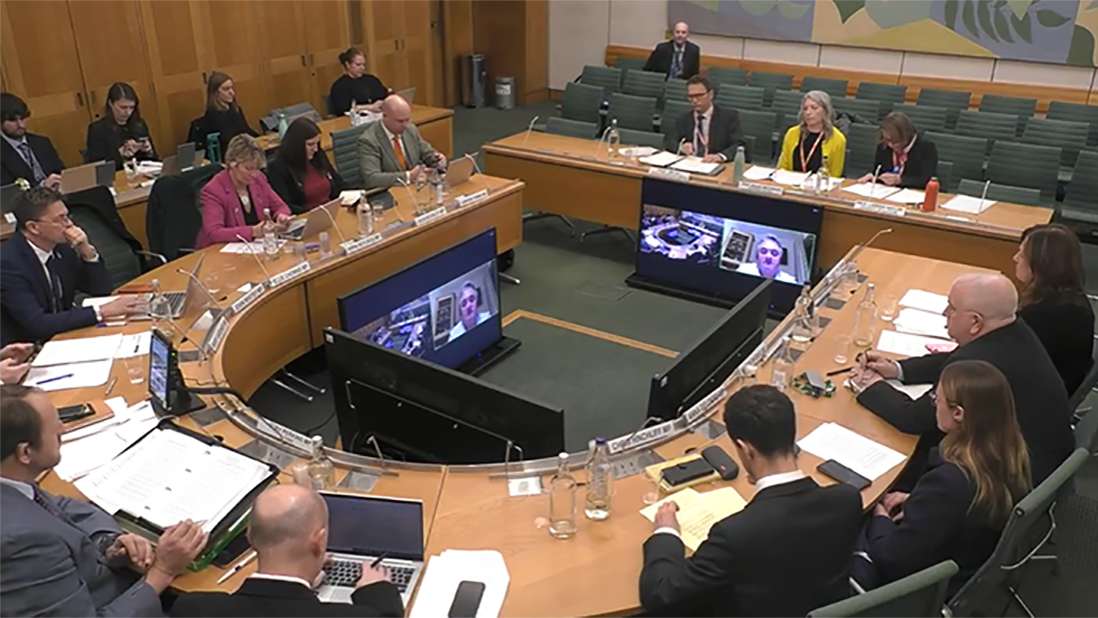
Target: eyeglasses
{"x":773,"y":252}
{"x":934,"y":398}
{"x":62,"y":219}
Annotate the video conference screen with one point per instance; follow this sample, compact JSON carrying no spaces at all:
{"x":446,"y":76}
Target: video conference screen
{"x":721,"y":243}
{"x":444,"y":309}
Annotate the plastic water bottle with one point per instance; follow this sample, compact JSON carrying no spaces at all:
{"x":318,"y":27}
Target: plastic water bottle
{"x":325,"y":242}
{"x":600,"y":481}
{"x":613,"y":142}
{"x":823,"y":177}
{"x":159,"y":307}
{"x":270,"y":241}
{"x":282,"y":125}
{"x":321,"y":469}
{"x":865,"y":320}
{"x":213,"y":148}
{"x":440,"y":189}
{"x":562,"y":501}
{"x":783,"y":368}
{"x":738,"y":165}
{"x":805,"y":321}
{"x":365,"y":219}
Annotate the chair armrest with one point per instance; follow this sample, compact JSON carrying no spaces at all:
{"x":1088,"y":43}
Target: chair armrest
{"x":150,"y":254}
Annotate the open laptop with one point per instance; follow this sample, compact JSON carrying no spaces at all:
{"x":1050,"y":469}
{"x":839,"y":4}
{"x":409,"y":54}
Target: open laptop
{"x":408,"y":94}
{"x":459,"y":171}
{"x":185,"y":155}
{"x":361,"y":528}
{"x":171,"y":166}
{"x":179,"y":300}
{"x":104,"y":173}
{"x":78,"y":178}
{"x":315,"y":223}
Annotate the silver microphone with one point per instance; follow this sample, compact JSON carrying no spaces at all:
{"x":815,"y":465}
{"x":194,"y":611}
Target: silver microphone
{"x":256,"y":257}
{"x":335,"y":225}
{"x":598,"y":146}
{"x":529,"y":129}
{"x":202,"y":286}
{"x":480,"y":173}
{"x":679,"y":150}
{"x":411,"y":194}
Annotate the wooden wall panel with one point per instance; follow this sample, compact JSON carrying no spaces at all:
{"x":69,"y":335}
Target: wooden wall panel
{"x":233,"y":48}
{"x":283,"y":53}
{"x":457,"y":19}
{"x":173,"y":37}
{"x":536,"y":82}
{"x":327,"y":34}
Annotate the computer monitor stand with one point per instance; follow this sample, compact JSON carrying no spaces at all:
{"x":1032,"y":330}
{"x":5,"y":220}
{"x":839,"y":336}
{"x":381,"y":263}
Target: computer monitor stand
{"x":489,"y":356}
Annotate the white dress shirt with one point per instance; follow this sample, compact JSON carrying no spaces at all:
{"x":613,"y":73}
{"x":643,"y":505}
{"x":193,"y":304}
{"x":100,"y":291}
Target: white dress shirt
{"x":761,"y":484}
{"x":43,"y":257}
{"x":281,"y":578}
{"x":20,"y":486}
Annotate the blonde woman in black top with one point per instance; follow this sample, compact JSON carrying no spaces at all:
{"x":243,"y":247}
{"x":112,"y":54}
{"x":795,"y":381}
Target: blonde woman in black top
{"x":223,"y":116}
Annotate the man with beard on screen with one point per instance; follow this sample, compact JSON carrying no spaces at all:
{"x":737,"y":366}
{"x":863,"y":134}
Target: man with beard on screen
{"x":768,"y":261}
{"x":467,"y":311}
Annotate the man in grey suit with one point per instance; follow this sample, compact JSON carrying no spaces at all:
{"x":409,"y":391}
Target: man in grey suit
{"x":62,"y":557}
{"x":391,"y":150}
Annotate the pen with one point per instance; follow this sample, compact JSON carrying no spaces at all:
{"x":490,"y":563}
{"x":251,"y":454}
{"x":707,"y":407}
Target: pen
{"x":377,"y":561}
{"x":53,"y":379}
{"x":236,"y":568}
{"x":110,"y":386}
{"x":840,"y":371}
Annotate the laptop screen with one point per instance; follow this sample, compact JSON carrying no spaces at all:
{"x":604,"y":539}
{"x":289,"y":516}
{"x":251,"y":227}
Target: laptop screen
{"x":369,"y":525}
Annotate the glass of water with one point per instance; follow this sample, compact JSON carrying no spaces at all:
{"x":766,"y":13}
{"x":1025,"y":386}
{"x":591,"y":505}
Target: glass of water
{"x":842,"y":348}
{"x":887,"y":306}
{"x":135,"y":368}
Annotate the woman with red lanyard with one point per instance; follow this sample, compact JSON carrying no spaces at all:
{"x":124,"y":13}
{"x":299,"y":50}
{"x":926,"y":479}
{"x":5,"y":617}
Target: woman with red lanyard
{"x":815,"y":138}
{"x":904,"y":158}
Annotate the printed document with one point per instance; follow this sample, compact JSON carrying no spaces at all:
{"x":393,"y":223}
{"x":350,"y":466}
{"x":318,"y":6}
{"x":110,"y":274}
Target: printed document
{"x":860,"y":454}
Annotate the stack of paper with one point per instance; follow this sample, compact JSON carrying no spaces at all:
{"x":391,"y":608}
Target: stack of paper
{"x":65,"y":351}
{"x":350,"y":197}
{"x":169,"y":476}
{"x":758,"y":172}
{"x":903,"y":344}
{"x":254,"y":247}
{"x":134,"y":345}
{"x":927,"y":301}
{"x":86,"y":449}
{"x":447,"y":570}
{"x":785,"y":177}
{"x":698,"y":512}
{"x":637,"y":151}
{"x":661,"y":159}
{"x":694,"y":165}
{"x":918,"y":322}
{"x":869,"y":190}
{"x":907,"y":196}
{"x":970,"y":205}
{"x":73,"y":363}
{"x":860,"y":454}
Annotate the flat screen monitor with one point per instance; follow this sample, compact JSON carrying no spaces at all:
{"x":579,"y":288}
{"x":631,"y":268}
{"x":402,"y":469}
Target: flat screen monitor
{"x":421,"y":411}
{"x":160,"y":367}
{"x":709,"y":362}
{"x":444,"y":309}
{"x":721,"y":243}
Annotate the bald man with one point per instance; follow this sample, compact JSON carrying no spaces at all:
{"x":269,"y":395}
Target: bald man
{"x":980,"y":317}
{"x":391,"y":150}
{"x":677,"y":58}
{"x":289,"y":531}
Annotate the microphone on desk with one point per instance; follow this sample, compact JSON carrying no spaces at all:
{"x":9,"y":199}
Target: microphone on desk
{"x":529,"y":129}
{"x":256,"y":257}
{"x":873,"y":183}
{"x":484,"y":183}
{"x":678,"y":151}
{"x":598,"y":146}
{"x":411,"y":194}
{"x":983,"y":196}
{"x":202,"y":286}
{"x":645,"y":423}
{"x":336,"y":225}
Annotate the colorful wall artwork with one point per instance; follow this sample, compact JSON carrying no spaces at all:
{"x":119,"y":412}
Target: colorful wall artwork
{"x":1052,"y":31}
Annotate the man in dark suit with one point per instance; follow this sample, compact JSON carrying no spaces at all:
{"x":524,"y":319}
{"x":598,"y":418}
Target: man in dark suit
{"x":709,"y":131}
{"x":64,"y":557}
{"x":981,"y":318}
{"x":25,"y":155}
{"x":677,"y":58}
{"x":786,"y":553}
{"x":45,"y":263}
{"x":289,"y":530}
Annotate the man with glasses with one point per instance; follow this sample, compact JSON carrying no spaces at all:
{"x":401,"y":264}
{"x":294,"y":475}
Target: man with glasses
{"x":707,"y":131}
{"x":25,"y":155}
{"x":677,"y":58}
{"x":980,"y":317}
{"x":45,"y":264}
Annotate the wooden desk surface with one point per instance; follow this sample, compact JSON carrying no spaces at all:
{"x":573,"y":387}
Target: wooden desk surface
{"x":422,"y":116}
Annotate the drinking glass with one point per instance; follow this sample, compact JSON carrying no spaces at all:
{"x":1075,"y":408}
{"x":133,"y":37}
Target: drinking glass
{"x":135,"y":368}
{"x":842,"y":348}
{"x":212,"y":279}
{"x":887,"y":307}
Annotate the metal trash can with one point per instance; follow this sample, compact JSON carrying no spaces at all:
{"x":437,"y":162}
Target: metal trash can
{"x":474,"y":81}
{"x":505,"y":93}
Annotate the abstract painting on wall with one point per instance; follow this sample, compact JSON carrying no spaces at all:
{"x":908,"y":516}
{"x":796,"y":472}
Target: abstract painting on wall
{"x":1053,"y":31}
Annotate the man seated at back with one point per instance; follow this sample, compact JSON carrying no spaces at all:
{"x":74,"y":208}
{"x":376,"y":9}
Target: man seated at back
{"x":25,"y":155}
{"x":391,"y":150}
{"x":677,"y":58}
{"x":289,"y":531}
{"x":63,"y":557}
{"x":46,"y":262}
{"x":786,"y":553}
{"x":708,"y":131}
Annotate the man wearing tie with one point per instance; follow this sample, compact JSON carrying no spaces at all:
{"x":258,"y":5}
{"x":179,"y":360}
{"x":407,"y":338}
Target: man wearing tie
{"x":25,"y":155}
{"x":45,"y":263}
{"x":391,"y":151}
{"x":707,"y":131}
{"x":677,"y":58}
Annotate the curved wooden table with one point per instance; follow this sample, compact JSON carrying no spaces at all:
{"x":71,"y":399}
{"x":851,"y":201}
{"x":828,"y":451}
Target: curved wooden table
{"x":468,"y":507}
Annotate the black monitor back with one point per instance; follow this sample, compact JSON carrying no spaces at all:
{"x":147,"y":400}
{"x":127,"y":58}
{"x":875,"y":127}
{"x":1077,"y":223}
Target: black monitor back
{"x":425,"y":412}
{"x":712,"y":359}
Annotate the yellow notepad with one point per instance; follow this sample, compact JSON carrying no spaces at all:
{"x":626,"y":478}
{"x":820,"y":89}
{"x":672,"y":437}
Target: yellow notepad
{"x":698,"y":512}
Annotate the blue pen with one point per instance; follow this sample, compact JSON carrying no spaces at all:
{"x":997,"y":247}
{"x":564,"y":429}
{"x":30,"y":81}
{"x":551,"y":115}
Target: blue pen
{"x":53,"y":379}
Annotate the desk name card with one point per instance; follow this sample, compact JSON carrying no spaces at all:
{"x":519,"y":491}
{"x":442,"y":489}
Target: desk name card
{"x":354,"y":246}
{"x":642,"y":437}
{"x":884,"y":209}
{"x":284,"y":276}
{"x":9,"y":217}
{"x":757,"y":187}
{"x":247,"y":299}
{"x":703,"y":406}
{"x":216,"y":334}
{"x":668,"y":174}
{"x":465,"y":200}
{"x":427,"y":217}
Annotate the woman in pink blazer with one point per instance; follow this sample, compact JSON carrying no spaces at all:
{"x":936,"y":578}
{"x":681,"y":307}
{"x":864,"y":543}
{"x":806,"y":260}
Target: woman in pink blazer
{"x":233,"y":201}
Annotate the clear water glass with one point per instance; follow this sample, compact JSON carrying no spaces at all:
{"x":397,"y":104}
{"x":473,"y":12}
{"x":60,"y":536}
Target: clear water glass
{"x":842,"y":348}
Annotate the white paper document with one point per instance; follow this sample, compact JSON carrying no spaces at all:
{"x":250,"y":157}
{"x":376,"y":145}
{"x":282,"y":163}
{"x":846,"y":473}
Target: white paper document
{"x":907,"y":196}
{"x":927,"y":301}
{"x":86,"y":449}
{"x":245,"y":248}
{"x":785,"y":177}
{"x":968,"y":204}
{"x":919,"y":322}
{"x":661,"y":159}
{"x":904,"y":344}
{"x":350,"y":197}
{"x":694,"y":165}
{"x":638,"y":151}
{"x":446,"y":571}
{"x":66,"y":351}
{"x":134,"y":345}
{"x":860,"y":454}
{"x":75,"y":375}
{"x":758,"y":172}
{"x":871,"y":190}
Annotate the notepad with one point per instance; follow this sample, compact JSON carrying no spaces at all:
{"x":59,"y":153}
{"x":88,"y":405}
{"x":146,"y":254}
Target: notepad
{"x":72,"y":375}
{"x":758,"y":172}
{"x":853,"y":450}
{"x":907,"y":196}
{"x":967,"y":204}
{"x":904,"y":344}
{"x":927,"y":301}
{"x":694,"y":165}
{"x":67,"y":351}
{"x":919,"y":322}
{"x":785,"y":177}
{"x":698,"y":512}
{"x":870,"y":190}
{"x":445,"y":572}
{"x":661,"y":159}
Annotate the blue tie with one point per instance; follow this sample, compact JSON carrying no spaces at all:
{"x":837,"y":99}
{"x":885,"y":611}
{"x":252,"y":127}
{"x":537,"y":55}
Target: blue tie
{"x":676,"y":63}
{"x":28,"y":156}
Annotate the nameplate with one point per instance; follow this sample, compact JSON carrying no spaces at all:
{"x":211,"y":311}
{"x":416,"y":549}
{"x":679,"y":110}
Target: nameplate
{"x":354,"y":246}
{"x":247,"y":299}
{"x":216,"y":334}
{"x":884,"y":209}
{"x":642,"y":437}
{"x":756,"y":187}
{"x":703,"y":406}
{"x":465,"y":200}
{"x":427,"y":217}
{"x":285,"y":434}
{"x":9,"y":217}
{"x":290,"y":273}
{"x":668,"y":174}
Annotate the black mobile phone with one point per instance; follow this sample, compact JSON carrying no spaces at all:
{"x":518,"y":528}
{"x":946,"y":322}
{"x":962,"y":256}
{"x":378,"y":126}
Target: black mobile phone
{"x":686,"y":471}
{"x":843,"y":474}
{"x":466,"y":600}
{"x":69,"y":414}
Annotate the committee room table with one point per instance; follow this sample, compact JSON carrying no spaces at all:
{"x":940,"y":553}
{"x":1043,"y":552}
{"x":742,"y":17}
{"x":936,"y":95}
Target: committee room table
{"x":469,"y":507}
{"x":571,"y":177}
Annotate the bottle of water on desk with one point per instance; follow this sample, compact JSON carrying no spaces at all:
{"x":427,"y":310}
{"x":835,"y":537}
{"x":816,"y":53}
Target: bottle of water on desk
{"x":270,"y":241}
{"x":613,"y":143}
{"x":865,"y":320}
{"x":365,"y":219}
{"x":159,"y":307}
{"x":782,"y":372}
{"x":282,"y":126}
{"x":321,"y":469}
{"x":823,"y":177}
{"x":562,"y":501}
{"x":738,"y":164}
{"x":805,"y":321}
{"x":600,"y":479}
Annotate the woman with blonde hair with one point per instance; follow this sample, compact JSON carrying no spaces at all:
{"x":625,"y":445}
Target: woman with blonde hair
{"x":814,"y":138}
{"x":235,"y":200}
{"x":223,"y":116}
{"x":964,"y":498}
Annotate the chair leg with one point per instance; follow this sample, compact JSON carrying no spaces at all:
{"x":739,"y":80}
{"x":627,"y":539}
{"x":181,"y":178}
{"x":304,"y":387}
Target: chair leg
{"x":307,"y":385}
{"x":606,"y":229}
{"x":1020,"y":602}
{"x":534,"y":216}
{"x":510,"y":279}
{"x":292,"y":390}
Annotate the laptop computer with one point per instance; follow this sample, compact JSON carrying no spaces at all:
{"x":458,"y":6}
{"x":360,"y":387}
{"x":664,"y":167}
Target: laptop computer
{"x":78,"y":178}
{"x":180,"y":300}
{"x":315,"y":223}
{"x":185,"y":155}
{"x":459,"y":171}
{"x":8,"y":195}
{"x":104,"y":173}
{"x":408,"y":94}
{"x":171,"y":166}
{"x":361,"y":528}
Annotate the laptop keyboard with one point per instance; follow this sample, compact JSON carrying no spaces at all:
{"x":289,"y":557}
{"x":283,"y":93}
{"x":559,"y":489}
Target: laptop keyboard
{"x":346,"y":573}
{"x":176,"y":301}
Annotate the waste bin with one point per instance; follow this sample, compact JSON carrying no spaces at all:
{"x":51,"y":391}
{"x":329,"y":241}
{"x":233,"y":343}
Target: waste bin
{"x":474,"y":80}
{"x":505,"y":92}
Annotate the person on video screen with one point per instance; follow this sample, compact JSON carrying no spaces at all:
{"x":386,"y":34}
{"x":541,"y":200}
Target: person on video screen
{"x":768,"y":261}
{"x":467,"y":311}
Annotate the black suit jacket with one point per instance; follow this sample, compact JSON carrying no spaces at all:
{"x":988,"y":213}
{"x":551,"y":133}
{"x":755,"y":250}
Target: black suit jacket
{"x":12,"y":165}
{"x":921,"y":166}
{"x":786,"y":553}
{"x":289,"y":184}
{"x":1040,"y":401}
{"x":265,"y":597}
{"x":725,"y":133}
{"x":660,"y":59}
{"x":1066,"y":329}
{"x":25,"y":292}
{"x":105,"y":138}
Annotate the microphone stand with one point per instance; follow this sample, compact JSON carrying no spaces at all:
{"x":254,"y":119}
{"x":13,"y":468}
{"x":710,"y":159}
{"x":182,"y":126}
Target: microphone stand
{"x":529,"y":129}
{"x":256,"y":257}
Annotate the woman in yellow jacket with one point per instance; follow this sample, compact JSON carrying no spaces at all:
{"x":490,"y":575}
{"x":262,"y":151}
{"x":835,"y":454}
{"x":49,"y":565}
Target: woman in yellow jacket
{"x":805,"y":145}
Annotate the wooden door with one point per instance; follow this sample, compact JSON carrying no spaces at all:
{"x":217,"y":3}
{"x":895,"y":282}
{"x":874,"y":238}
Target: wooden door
{"x":283,"y":50}
{"x":173,"y":37}
{"x":111,"y":45}
{"x":40,"y":64}
{"x":417,"y":48}
{"x":231,"y":46}
{"x":327,"y":34}
{"x":384,"y":29}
